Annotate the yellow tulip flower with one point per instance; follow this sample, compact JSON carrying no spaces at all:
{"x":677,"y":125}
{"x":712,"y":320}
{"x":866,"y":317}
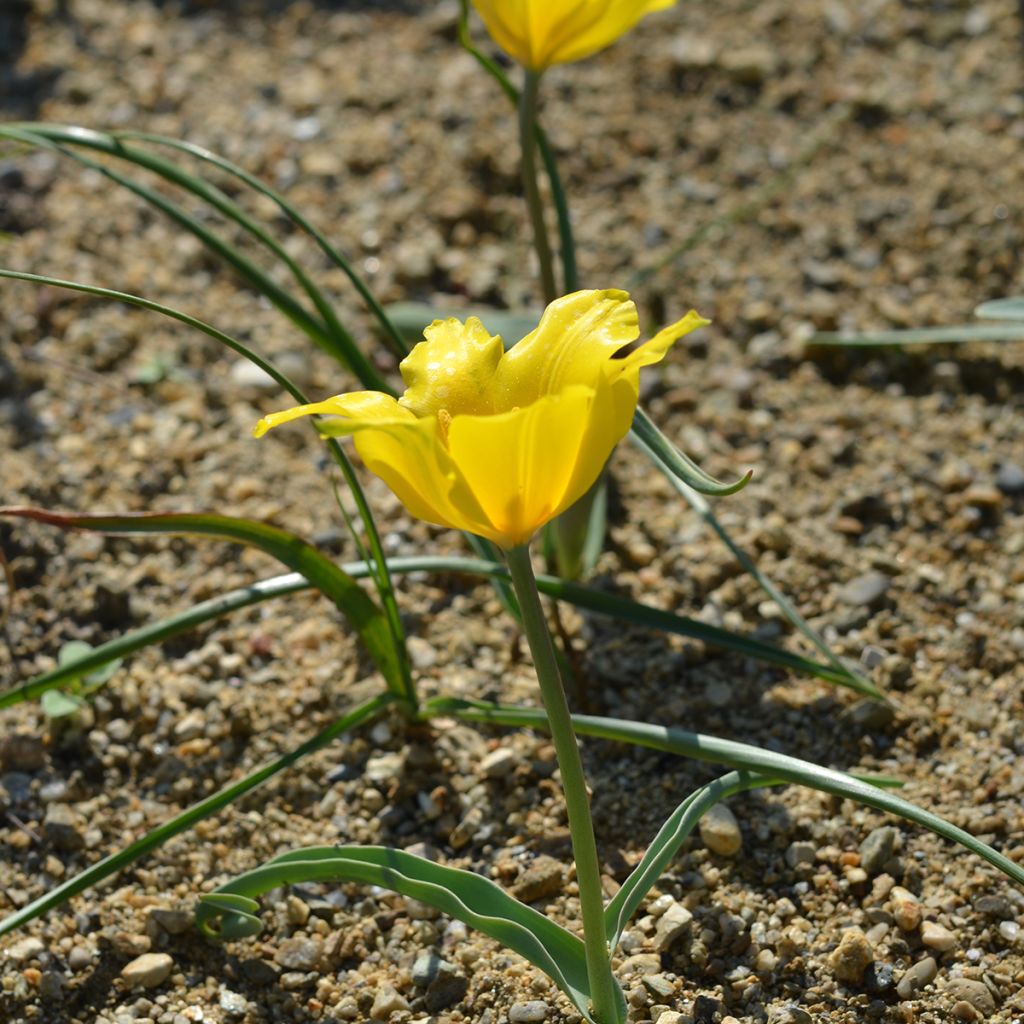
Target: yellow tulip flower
{"x":498,"y":443}
{"x":539,"y":33}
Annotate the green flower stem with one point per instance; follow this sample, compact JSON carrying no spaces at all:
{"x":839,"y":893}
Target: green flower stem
{"x":604,"y":988}
{"x":531,"y":189}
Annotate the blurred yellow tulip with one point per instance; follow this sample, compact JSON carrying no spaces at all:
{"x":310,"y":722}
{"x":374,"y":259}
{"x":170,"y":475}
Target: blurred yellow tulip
{"x":498,"y":443}
{"x":539,"y":33}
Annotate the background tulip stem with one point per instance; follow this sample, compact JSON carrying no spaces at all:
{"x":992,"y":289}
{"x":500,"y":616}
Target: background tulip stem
{"x":531,"y":187}
{"x":608,"y":1007}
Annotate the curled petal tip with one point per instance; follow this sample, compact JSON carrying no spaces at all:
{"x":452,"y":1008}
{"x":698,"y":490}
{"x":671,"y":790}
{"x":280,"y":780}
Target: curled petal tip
{"x":261,"y":428}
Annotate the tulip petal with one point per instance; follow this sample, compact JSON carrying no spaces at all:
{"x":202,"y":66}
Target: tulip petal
{"x":519,"y":465}
{"x":452,"y":369}
{"x":368,"y":405}
{"x":654,"y":350}
{"x":576,"y":337}
{"x":539,"y":33}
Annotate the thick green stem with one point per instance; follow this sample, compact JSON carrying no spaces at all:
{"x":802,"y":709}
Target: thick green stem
{"x":531,"y":188}
{"x":604,"y":989}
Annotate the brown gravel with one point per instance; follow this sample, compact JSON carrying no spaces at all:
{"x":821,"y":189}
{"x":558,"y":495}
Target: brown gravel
{"x":883,"y":504}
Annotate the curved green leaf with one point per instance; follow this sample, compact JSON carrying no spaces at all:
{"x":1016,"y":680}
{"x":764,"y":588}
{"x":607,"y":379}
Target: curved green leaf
{"x":470,"y":898}
{"x":666,"y":843}
{"x":181,"y":822}
{"x":737,"y":755}
{"x":351,"y":600}
{"x":675,"y":463}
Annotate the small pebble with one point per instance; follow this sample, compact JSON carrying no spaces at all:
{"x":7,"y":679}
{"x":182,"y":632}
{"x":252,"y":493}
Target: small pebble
{"x":866,"y":590}
{"x":499,"y":763}
{"x":801,"y":854}
{"x":851,"y":957}
{"x":297,"y":911}
{"x":234,"y":1004}
{"x":25,"y":950}
{"x":299,"y":954}
{"x":386,"y":1002}
{"x":915,"y":978}
{"x":720,"y":831}
{"x":906,"y":911}
{"x":789,"y":1015}
{"x":528,"y":1013}
{"x":80,"y":957}
{"x":877,"y":848}
{"x":148,"y":970}
{"x":935,"y":936}
{"x":671,"y":925}
{"x":974,"y":992}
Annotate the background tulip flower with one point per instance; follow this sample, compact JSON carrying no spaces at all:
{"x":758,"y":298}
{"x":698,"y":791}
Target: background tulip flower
{"x":539,"y":33}
{"x":499,"y":443}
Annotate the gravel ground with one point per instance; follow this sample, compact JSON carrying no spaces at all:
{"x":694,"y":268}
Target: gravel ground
{"x":888,"y":503}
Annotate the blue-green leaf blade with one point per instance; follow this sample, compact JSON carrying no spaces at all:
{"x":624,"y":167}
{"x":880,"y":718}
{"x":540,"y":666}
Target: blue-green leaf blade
{"x":468,"y":897}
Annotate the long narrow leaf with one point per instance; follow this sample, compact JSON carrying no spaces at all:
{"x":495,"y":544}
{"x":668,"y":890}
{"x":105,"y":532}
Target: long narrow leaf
{"x":1002,"y":309}
{"x":611,"y":605}
{"x":920,"y":336}
{"x":391,"y":335}
{"x":850,"y":677}
{"x":309,"y":324}
{"x":380,"y":574}
{"x":666,"y":843}
{"x":468,"y":897}
{"x":181,"y":822}
{"x":351,"y":600}
{"x":737,"y":755}
{"x":102,"y":142}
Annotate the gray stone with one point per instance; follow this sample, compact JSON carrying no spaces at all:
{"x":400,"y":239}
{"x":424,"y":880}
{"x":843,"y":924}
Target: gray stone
{"x":499,"y":763}
{"x":801,"y":854}
{"x":671,"y":925}
{"x":916,"y":978}
{"x":51,"y":986}
{"x":448,"y":988}
{"x":63,"y":828}
{"x":174,"y":922}
{"x":789,"y":1015}
{"x":866,"y":590}
{"x":425,"y":968}
{"x":1010,"y":479}
{"x":541,"y":879}
{"x":386,"y":1002}
{"x":877,"y":848}
{"x":974,"y":992}
{"x":80,"y":957}
{"x":299,"y":954}
{"x":528,"y":1013}
{"x":234,"y":1004}
{"x":148,"y":970}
